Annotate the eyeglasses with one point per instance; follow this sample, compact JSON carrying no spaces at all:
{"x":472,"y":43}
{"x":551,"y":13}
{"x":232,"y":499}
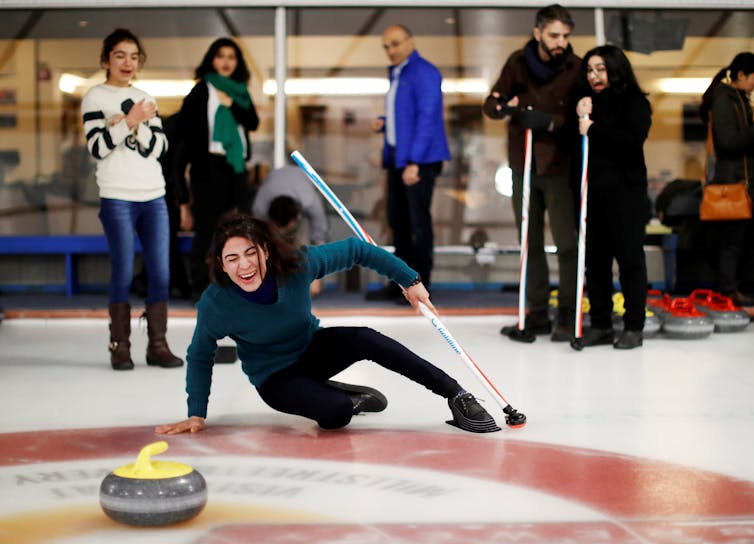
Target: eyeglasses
{"x":599,"y":69}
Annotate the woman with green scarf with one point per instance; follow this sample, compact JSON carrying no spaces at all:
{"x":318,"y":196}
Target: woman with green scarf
{"x":212,"y":139}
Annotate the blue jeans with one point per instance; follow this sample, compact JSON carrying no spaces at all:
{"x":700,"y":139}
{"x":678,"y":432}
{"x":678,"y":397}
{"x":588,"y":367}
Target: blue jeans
{"x":149,"y":220}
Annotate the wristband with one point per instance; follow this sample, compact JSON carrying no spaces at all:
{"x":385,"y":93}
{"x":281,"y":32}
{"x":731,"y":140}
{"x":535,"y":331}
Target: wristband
{"x":416,"y":281}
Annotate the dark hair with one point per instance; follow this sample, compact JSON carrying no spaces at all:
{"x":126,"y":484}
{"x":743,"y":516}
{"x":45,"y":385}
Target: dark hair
{"x":283,"y":260}
{"x":116,"y":36}
{"x":283,"y":210}
{"x":554,"y":12}
{"x":241,"y":73}
{"x":743,"y":62}
{"x":620,"y":74}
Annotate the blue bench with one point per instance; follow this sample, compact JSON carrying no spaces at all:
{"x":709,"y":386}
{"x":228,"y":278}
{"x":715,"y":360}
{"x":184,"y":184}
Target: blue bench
{"x":71,"y":246}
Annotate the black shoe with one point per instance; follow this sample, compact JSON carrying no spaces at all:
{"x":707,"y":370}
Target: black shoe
{"x":534,"y":324}
{"x":629,"y":340}
{"x":364,"y":399}
{"x":389,"y":292}
{"x":598,"y":337}
{"x":469,"y":415}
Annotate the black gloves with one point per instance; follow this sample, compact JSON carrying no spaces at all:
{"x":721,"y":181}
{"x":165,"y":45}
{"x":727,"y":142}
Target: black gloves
{"x":534,"y":119}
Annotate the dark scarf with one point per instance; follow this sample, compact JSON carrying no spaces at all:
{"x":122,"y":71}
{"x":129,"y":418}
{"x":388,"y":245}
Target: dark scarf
{"x":542,"y":71}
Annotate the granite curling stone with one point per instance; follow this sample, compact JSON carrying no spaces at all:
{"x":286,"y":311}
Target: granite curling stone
{"x":153,"y":493}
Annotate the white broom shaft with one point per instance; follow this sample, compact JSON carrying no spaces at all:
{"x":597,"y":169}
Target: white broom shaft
{"x":524,"y":255}
{"x":582,"y":236}
{"x":332,"y":198}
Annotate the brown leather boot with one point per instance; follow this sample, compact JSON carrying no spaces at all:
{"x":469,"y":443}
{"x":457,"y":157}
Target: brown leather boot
{"x":158,"y":352}
{"x":120,"y":333}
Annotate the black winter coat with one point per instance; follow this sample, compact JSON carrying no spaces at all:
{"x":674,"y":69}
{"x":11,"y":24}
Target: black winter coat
{"x":616,"y":139}
{"x":732,"y":135}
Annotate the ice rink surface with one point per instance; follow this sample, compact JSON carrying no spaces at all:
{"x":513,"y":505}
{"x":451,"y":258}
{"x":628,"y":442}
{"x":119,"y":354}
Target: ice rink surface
{"x":653,"y":445}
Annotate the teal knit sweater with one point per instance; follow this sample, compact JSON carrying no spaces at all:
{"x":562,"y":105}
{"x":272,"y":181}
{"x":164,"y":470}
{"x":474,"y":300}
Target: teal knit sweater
{"x":272,"y":337}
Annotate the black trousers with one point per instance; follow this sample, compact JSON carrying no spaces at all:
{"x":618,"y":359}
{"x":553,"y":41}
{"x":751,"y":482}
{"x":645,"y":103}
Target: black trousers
{"x":616,"y":223}
{"x":300,"y":389}
{"x":222,"y":191}
{"x":409,"y":214}
{"x":730,"y":237}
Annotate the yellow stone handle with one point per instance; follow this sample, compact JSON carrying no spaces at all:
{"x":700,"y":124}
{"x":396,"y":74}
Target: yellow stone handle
{"x":146,"y":469}
{"x":144,"y":460}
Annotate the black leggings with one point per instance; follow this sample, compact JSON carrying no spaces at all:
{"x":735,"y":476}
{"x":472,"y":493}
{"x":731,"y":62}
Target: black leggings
{"x":300,"y":389}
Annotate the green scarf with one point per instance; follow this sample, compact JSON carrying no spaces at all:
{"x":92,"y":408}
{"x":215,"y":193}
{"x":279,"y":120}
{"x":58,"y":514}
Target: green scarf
{"x":226,"y":127}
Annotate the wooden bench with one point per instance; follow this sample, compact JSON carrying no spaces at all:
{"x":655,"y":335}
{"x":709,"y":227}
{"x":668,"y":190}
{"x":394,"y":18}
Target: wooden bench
{"x":70,"y":246}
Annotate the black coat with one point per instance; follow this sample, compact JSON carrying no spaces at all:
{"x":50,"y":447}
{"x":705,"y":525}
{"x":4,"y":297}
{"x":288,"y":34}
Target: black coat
{"x":732,"y":135}
{"x":616,"y":139}
{"x":192,"y":135}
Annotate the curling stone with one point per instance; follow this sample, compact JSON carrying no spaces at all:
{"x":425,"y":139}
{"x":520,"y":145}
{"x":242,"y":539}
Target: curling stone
{"x":726,"y":316}
{"x":153,"y":493}
{"x":652,"y":323}
{"x":658,"y":302}
{"x":684,"y":321}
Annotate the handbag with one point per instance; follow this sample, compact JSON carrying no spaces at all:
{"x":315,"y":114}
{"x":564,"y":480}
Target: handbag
{"x":726,"y":201}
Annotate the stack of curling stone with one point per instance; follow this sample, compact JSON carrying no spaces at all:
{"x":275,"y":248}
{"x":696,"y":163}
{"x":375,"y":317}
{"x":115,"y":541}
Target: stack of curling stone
{"x":652,"y":322}
{"x":148,"y":493}
{"x":726,"y":316}
{"x":681,"y":319}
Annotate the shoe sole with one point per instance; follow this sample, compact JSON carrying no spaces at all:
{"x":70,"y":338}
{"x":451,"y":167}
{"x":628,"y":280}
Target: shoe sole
{"x":363,"y":389}
{"x":619,"y":346}
{"x":152,"y":362}
{"x":512,"y":329}
{"x":471,"y":425}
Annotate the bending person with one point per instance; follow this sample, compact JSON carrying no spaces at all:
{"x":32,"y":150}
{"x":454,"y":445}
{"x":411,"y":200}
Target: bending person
{"x":260,"y":298}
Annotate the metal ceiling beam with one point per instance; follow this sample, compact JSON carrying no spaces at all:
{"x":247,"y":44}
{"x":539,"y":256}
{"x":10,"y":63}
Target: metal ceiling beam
{"x":606,"y":4}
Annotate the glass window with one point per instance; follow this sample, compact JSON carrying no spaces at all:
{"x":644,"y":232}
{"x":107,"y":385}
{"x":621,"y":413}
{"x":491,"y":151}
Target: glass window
{"x":336,"y":85}
{"x":49,"y":58}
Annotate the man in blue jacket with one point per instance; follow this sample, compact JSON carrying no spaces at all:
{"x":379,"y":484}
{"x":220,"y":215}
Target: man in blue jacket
{"x":414,"y":149}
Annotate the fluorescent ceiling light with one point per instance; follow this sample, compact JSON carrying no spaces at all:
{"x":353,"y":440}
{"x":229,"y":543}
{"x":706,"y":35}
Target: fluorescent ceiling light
{"x":325,"y":86}
{"x":329,"y":86}
{"x":362,"y":86}
{"x":73,"y":84}
{"x":684,"y":85}
{"x":165,"y":87}
{"x":465,"y":86}
{"x":68,"y":83}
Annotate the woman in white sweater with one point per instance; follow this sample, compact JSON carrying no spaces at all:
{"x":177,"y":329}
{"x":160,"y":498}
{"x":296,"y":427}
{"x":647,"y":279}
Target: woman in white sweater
{"x":124,"y":134}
